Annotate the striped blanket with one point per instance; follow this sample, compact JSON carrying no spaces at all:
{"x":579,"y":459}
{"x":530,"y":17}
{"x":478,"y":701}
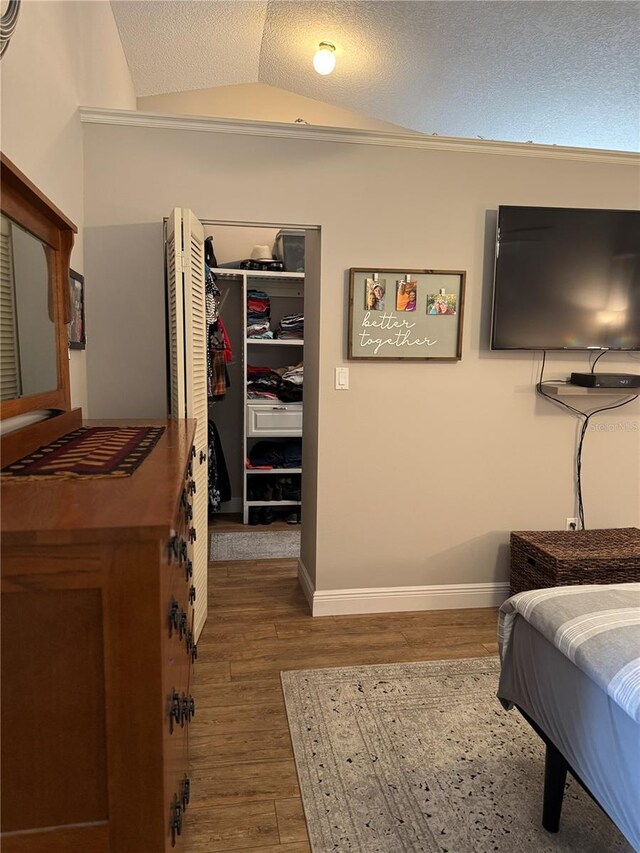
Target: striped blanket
{"x":596,"y":626}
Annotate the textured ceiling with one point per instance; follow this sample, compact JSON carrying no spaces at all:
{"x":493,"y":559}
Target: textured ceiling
{"x":177,"y":45}
{"x":565,"y":73}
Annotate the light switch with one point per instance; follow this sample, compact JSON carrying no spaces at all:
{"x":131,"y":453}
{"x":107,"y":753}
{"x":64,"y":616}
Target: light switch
{"x":342,"y":378}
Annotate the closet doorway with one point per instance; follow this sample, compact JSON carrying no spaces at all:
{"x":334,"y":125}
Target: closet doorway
{"x":262,"y":403}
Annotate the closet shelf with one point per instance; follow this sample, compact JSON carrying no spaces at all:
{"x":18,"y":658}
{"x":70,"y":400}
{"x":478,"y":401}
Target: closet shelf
{"x":270,"y":342}
{"x":271,"y":276}
{"x":274,"y":470}
{"x":274,"y":503}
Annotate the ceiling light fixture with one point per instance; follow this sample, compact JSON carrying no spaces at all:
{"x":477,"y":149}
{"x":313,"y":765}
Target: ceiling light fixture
{"x":324,"y":60}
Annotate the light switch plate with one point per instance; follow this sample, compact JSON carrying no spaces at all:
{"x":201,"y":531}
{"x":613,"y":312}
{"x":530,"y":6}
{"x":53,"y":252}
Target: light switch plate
{"x":342,"y":378}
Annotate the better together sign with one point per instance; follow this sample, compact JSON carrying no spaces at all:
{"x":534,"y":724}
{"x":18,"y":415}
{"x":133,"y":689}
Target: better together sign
{"x":405,"y":314}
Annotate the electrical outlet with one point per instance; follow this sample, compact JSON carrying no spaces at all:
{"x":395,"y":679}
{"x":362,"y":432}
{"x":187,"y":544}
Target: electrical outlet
{"x":572,"y":524}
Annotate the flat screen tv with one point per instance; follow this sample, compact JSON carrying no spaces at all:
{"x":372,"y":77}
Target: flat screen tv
{"x":566,"y":279}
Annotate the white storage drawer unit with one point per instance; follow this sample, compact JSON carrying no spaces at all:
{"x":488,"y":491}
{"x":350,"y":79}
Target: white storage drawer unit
{"x":281,"y":419}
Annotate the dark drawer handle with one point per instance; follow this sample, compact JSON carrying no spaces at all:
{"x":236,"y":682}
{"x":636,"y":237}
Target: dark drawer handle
{"x":173,"y":547}
{"x":192,"y":594}
{"x":175,"y":710}
{"x":175,"y":819}
{"x":186,"y":791}
{"x":192,"y":534}
{"x":192,"y":648}
{"x":191,"y":487}
{"x":187,"y":710}
{"x":182,"y":624}
{"x":173,"y":616}
{"x":188,"y":571}
{"x":203,"y":457}
{"x":178,"y":619}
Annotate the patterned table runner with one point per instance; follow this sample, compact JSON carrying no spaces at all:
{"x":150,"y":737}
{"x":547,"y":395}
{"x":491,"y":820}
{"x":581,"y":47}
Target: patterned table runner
{"x":88,"y":452}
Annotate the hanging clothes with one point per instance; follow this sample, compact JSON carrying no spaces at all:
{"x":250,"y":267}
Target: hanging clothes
{"x":219,"y":482}
{"x":218,"y":355}
{"x":219,"y":352}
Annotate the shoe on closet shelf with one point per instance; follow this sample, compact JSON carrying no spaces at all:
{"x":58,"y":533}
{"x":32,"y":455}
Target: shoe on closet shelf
{"x":291,"y":494}
{"x":267,"y":515}
{"x":293,"y":518}
{"x":254,"y":515}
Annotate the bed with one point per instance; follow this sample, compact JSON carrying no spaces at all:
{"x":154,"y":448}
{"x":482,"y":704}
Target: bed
{"x":571,"y":665}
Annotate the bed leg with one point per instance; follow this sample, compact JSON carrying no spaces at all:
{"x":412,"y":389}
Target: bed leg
{"x":555,"y":774}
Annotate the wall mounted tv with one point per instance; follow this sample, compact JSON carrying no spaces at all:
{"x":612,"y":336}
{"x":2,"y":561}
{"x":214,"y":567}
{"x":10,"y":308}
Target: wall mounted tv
{"x":566,"y":279}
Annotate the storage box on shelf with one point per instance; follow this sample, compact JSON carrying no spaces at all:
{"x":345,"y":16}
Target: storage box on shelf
{"x":266,"y":419}
{"x":547,"y":558}
{"x":289,"y":248}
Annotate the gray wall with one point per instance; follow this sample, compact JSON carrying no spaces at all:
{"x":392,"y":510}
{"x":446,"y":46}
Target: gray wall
{"x":388,"y":511}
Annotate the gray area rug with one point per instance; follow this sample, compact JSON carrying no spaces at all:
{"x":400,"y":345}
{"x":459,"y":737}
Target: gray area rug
{"x":254,"y":545}
{"x":421,"y":757}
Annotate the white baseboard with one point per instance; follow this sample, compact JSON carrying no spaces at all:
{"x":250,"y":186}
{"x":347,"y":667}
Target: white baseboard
{"x":340,"y":602}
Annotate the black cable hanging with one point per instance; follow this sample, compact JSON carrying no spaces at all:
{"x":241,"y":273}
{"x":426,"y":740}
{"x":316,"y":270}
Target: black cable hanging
{"x":604,"y":352}
{"x":580,"y":414}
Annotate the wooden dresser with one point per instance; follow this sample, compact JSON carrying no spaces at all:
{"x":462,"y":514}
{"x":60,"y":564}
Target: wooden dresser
{"x":97,"y":651}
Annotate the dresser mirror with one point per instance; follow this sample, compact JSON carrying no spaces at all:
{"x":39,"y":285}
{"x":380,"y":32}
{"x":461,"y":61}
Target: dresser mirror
{"x":27,"y":330}
{"x":36,"y":241}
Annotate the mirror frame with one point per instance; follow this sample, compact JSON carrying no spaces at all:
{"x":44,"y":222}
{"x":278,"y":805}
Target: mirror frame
{"x":22,"y":202}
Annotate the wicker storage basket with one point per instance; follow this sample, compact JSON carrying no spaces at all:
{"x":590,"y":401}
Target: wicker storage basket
{"x":547,"y":558}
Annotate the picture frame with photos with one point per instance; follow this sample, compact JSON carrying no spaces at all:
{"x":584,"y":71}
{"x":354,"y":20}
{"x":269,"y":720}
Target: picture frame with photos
{"x":405,"y":314}
{"x":77,"y":330}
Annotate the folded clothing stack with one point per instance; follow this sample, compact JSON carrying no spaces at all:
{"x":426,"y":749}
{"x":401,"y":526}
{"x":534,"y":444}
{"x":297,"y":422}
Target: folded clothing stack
{"x":258,"y":314}
{"x":276,"y":453}
{"x":291,"y":327}
{"x":275,"y":383}
{"x":263,"y":383}
{"x":291,"y":388}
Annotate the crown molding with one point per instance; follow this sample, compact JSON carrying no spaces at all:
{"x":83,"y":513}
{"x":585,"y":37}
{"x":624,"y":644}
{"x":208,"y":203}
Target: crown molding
{"x":278,"y":130}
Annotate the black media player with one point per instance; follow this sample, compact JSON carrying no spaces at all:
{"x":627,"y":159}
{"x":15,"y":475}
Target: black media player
{"x":606,"y":380}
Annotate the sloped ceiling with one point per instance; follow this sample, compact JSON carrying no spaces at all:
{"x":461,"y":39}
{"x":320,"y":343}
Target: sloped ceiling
{"x":565,"y":73}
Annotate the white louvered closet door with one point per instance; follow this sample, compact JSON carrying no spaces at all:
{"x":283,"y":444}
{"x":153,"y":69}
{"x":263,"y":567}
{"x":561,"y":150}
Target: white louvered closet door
{"x":196,"y":382}
{"x":185,"y":265}
{"x":176,"y":315}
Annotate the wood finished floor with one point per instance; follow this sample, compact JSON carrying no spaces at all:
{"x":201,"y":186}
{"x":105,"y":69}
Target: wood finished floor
{"x":245,"y":790}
